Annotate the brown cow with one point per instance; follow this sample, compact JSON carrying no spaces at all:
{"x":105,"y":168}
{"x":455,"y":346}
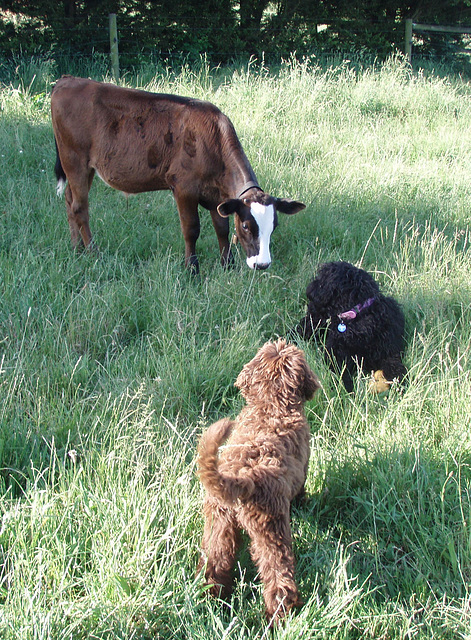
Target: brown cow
{"x":139,"y":141}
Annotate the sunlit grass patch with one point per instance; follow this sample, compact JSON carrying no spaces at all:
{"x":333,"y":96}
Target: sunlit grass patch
{"x":112,"y":364}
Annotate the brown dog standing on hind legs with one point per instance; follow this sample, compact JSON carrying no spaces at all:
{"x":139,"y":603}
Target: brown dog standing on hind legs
{"x":251,"y":481}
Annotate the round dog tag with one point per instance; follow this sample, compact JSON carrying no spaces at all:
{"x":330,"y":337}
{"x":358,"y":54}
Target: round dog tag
{"x":342,"y":327}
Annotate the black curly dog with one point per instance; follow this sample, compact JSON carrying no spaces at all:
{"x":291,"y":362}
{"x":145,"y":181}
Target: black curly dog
{"x":356,"y":323}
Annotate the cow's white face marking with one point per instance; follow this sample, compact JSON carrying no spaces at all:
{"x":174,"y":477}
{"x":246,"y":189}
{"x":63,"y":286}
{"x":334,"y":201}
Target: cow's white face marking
{"x":265,"y":218}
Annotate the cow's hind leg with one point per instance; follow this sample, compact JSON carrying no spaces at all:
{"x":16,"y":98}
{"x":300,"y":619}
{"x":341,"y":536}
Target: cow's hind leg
{"x":221,"y":226}
{"x":76,"y":200}
{"x":77,"y":242}
{"x":190,"y":224}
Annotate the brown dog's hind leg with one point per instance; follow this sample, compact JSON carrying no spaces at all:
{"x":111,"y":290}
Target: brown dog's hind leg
{"x":221,"y":539}
{"x":271,"y":551}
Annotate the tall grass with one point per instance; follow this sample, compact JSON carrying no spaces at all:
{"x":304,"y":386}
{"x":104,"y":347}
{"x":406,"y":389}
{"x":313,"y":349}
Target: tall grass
{"x":112,"y":365}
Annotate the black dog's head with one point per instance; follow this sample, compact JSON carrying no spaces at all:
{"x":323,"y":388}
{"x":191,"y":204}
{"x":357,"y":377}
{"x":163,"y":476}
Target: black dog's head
{"x":337,"y":287}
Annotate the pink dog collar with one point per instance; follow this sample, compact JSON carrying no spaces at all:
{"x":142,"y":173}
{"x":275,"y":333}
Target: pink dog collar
{"x":352,"y":313}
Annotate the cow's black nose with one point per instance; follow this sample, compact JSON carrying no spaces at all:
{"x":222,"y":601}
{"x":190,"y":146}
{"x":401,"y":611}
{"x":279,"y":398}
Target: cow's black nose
{"x":262,"y":266}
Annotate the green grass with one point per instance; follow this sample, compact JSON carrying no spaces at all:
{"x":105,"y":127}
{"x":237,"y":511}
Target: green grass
{"x":111,"y":366}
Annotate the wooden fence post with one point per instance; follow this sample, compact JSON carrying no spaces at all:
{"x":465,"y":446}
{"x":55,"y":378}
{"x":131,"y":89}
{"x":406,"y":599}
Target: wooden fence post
{"x":408,"y":40}
{"x":114,"y":47}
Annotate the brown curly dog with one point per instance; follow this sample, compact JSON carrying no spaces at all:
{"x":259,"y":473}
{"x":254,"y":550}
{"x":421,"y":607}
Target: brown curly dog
{"x":251,"y":480}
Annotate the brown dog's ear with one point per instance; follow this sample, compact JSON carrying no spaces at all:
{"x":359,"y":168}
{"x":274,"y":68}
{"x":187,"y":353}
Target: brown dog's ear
{"x":243,"y":379}
{"x":311,"y":383}
{"x":298,"y":379}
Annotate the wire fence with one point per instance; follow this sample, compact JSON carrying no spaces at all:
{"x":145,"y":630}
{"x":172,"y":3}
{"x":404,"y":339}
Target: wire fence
{"x":171,"y":44}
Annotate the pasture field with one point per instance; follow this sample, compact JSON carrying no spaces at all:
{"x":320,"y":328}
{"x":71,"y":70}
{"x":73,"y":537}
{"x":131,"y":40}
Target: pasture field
{"x":111,"y":365}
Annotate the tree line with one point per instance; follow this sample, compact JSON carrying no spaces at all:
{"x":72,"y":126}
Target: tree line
{"x":227,"y":29}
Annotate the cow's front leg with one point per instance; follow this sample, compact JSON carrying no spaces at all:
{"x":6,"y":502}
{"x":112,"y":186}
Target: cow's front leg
{"x":221,"y":226}
{"x":190,"y":225}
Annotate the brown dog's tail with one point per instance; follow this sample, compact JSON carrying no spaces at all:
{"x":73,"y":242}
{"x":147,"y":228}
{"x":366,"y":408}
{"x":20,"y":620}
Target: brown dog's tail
{"x":225,"y":487}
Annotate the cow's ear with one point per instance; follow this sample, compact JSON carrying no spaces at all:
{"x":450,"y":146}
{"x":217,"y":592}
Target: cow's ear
{"x":288,"y":206}
{"x":229,"y":206}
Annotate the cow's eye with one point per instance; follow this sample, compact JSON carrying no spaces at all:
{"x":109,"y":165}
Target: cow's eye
{"x":245,"y":226}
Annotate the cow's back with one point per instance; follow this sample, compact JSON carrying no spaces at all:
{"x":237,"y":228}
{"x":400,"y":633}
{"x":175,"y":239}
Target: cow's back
{"x":136,"y":140}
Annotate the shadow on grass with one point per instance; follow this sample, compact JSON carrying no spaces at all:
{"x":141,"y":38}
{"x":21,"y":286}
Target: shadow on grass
{"x":400,"y":517}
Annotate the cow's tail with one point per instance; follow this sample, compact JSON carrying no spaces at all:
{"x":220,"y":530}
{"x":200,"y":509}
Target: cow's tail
{"x":223,"y":486}
{"x":60,"y":174}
